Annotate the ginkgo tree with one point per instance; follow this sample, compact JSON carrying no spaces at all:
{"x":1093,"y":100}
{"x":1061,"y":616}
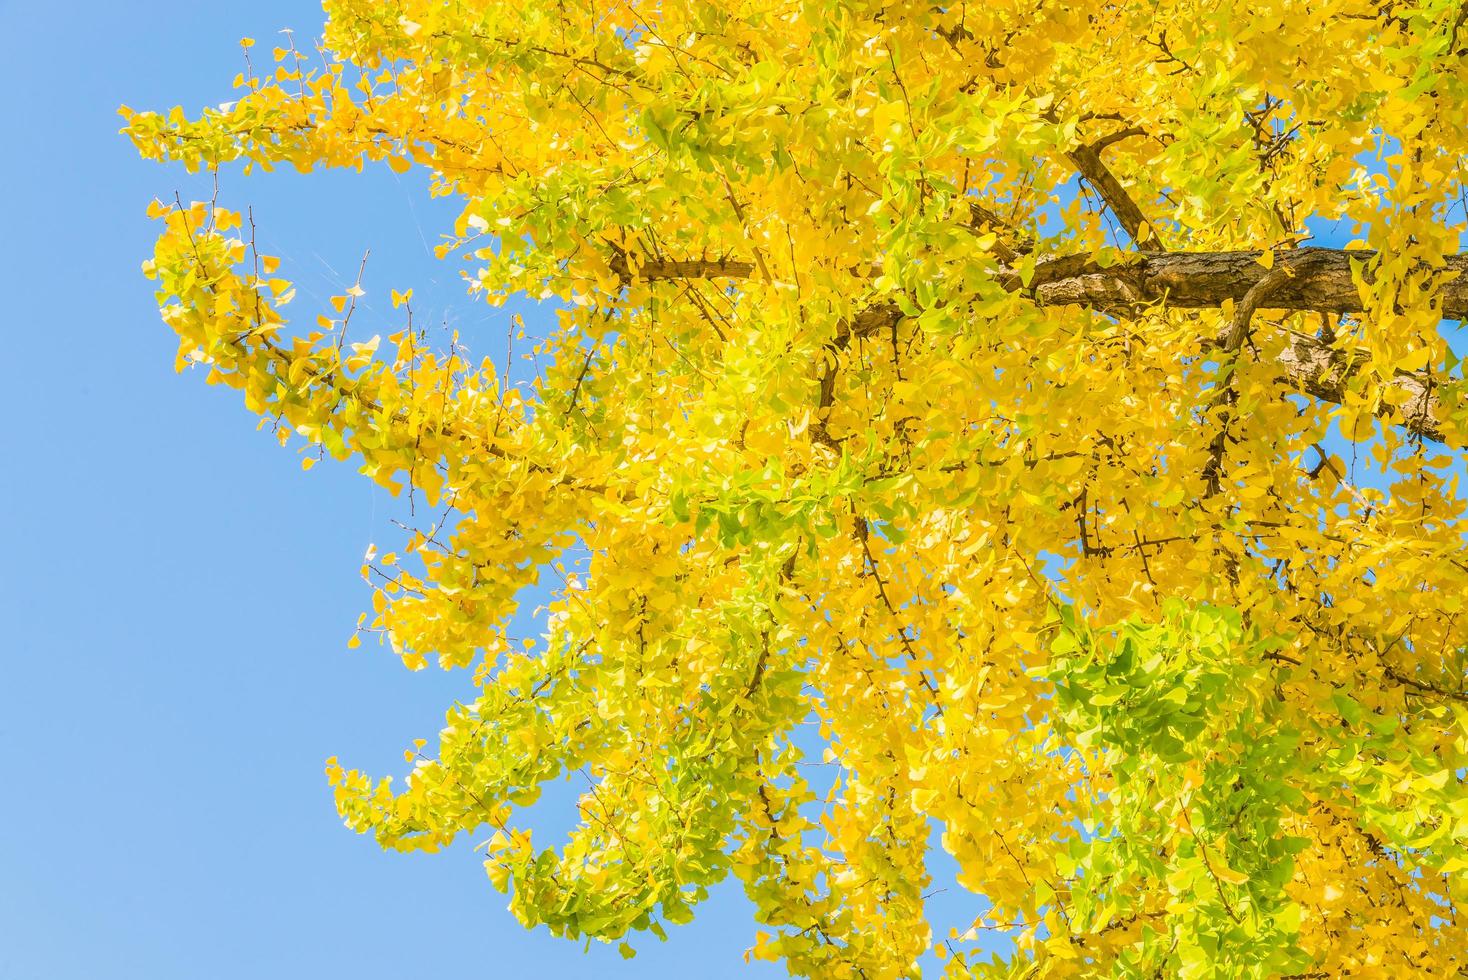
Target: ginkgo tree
{"x":953,"y":419}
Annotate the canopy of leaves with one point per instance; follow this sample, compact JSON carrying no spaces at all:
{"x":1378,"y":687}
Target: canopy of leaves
{"x":948,"y":381}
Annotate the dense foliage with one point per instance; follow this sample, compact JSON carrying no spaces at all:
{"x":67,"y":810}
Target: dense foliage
{"x":942,"y":426}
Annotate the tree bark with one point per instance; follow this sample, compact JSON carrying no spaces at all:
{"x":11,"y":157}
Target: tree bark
{"x":1204,"y":280}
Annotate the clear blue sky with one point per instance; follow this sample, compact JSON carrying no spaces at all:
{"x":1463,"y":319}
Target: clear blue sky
{"x":176,"y":593}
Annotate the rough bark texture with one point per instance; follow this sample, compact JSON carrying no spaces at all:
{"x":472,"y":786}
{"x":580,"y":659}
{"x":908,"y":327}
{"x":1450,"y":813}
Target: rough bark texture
{"x":1200,"y":280}
{"x":1322,"y":371}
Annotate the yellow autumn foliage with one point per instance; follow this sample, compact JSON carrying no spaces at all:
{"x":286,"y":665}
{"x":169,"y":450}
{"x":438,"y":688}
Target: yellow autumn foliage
{"x":956,"y":435}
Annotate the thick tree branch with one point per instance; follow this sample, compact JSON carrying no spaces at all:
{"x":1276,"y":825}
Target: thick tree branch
{"x":1293,"y":265}
{"x":1181,"y":280}
{"x":1205,"y":280}
{"x":1322,"y":371}
{"x":1322,"y":282}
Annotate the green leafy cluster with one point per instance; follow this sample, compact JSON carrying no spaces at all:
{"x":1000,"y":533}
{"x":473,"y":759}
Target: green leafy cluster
{"x":1202,"y":771}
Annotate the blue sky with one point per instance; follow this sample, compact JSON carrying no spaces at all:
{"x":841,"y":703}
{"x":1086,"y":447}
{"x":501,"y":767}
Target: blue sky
{"x":177,"y":594}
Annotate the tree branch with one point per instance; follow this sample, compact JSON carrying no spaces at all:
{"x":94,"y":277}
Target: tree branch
{"x":1205,"y":280}
{"x":1006,"y":251}
{"x":1190,"y":280}
{"x":1423,"y":687}
{"x":1225,"y":395}
{"x":1322,"y":282}
{"x":654,"y":270}
{"x":1117,"y":137}
{"x":1181,"y":280}
{"x":1087,"y":159}
{"x":1315,"y":368}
